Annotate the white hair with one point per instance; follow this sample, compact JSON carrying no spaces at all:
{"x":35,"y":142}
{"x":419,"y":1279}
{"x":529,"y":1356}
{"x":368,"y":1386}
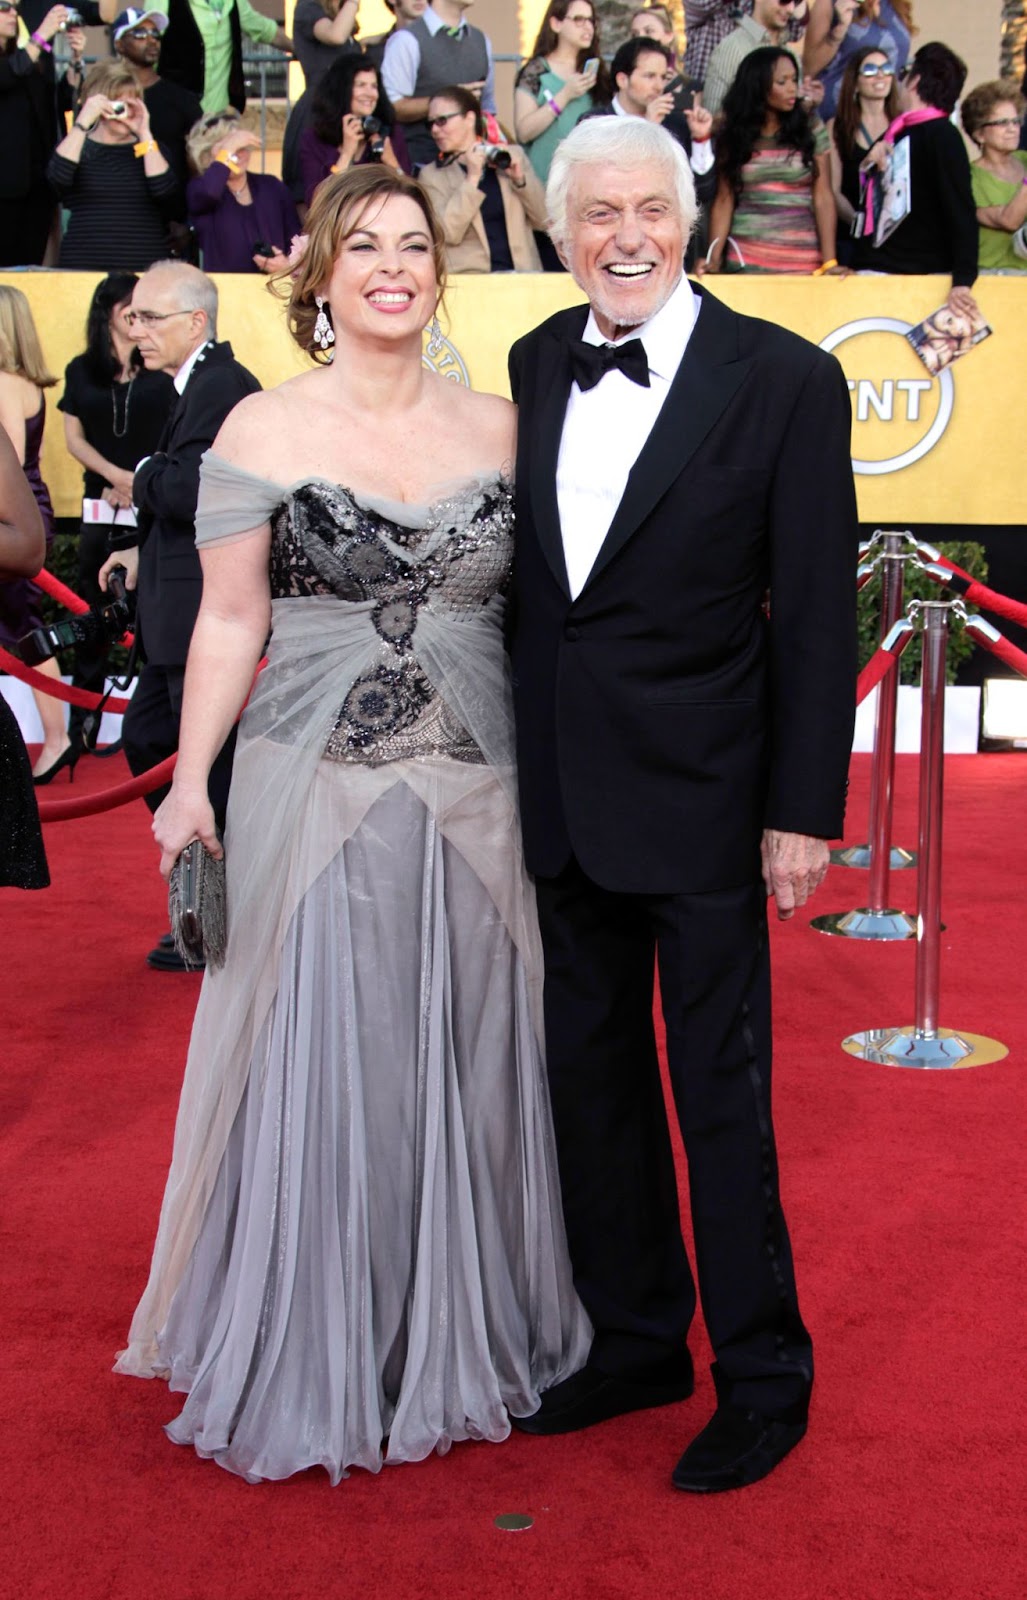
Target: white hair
{"x":195,"y":290}
{"x":629,"y":142}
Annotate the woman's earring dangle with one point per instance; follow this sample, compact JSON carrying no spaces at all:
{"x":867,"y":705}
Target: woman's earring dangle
{"x":435,"y":339}
{"x":324,"y":333}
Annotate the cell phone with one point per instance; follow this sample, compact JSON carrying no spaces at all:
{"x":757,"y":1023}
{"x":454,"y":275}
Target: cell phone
{"x":591,"y":66}
{"x":262,"y":248}
{"x":683,"y":94}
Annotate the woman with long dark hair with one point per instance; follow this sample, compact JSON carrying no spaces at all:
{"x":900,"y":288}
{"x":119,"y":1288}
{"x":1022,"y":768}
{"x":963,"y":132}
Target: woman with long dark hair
{"x":868,"y":103}
{"x":774,"y":209}
{"x":553,"y":90}
{"x":338,"y":135}
{"x":114,"y":414}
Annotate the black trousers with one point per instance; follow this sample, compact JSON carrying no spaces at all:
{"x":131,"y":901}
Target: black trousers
{"x":149,"y":734}
{"x":616,"y":1162}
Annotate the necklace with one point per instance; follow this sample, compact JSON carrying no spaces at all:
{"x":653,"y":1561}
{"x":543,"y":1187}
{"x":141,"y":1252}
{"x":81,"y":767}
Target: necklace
{"x":119,"y":433}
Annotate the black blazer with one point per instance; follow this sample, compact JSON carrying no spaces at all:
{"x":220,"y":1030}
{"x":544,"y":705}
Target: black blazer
{"x":662,"y":721}
{"x":165,"y":489}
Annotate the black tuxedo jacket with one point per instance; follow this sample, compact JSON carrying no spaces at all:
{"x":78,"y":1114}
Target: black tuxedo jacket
{"x":662,"y":720}
{"x":165,"y":490}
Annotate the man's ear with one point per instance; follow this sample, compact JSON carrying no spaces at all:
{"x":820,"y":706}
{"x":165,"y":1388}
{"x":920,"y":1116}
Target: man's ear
{"x":564,"y":262}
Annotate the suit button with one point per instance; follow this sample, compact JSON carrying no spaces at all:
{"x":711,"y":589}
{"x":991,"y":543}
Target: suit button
{"x":572,"y":633}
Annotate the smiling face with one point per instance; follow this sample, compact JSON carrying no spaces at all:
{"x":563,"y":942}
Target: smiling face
{"x":383,"y":283}
{"x":452,"y":128}
{"x":364,"y":95}
{"x":1000,"y":134}
{"x":784,"y":87}
{"x":875,"y":78}
{"x":625,"y":244}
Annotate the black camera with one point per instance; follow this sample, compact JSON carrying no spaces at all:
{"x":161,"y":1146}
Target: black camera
{"x":497,"y":156}
{"x":103,"y":626}
{"x":374,"y":133}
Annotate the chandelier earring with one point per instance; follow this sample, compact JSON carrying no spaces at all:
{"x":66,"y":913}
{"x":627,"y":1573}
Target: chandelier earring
{"x":324,"y":333}
{"x":435,"y":339}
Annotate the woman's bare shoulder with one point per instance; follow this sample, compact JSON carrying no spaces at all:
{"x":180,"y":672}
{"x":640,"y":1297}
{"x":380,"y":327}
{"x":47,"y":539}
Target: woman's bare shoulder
{"x":492,"y":418}
{"x":260,"y":425}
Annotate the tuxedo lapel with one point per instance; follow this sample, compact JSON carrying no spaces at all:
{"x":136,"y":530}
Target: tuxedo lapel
{"x":709,"y":377}
{"x":554,"y":387}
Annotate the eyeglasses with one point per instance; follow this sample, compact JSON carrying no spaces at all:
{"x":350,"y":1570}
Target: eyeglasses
{"x":6,"y":7}
{"x":874,"y":69}
{"x":581,"y":16}
{"x":140,"y":33}
{"x":1002,"y":122}
{"x":446,"y":116}
{"x":149,"y":319}
{"x":792,"y":4}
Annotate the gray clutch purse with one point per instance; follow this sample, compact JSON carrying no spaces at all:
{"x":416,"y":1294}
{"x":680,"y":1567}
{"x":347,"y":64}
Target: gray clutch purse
{"x":197,"y":907}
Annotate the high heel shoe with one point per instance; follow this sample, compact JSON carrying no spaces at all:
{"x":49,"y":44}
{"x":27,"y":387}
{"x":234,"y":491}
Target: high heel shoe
{"x":67,"y":758}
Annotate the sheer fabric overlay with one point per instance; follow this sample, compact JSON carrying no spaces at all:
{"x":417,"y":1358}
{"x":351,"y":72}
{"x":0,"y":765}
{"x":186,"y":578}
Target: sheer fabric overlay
{"x":361,"y":1237}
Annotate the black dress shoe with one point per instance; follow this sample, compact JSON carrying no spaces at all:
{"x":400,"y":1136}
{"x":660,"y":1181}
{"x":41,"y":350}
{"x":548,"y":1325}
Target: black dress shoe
{"x":591,"y":1396}
{"x":735,"y":1448}
{"x":165,"y":958}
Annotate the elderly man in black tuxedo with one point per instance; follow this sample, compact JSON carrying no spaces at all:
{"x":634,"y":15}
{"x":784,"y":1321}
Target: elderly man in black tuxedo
{"x":683,"y":754}
{"x":174,"y":315}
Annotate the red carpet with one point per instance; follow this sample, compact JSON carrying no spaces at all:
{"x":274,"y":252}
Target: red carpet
{"x":906,"y":1196}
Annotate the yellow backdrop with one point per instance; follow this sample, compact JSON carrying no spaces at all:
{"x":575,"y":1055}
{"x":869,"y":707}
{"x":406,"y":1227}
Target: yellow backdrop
{"x":924,"y":449}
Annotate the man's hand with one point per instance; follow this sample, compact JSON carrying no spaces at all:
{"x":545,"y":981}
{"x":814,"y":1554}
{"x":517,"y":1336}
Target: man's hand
{"x":813,"y":90}
{"x":127,"y":558}
{"x":794,"y":865}
{"x":659,"y":108}
{"x":700,"y":123}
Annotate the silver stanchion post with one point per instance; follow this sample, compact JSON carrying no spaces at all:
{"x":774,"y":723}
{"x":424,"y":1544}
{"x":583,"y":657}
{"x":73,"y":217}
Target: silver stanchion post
{"x":882,"y":776}
{"x":924,"y":1044}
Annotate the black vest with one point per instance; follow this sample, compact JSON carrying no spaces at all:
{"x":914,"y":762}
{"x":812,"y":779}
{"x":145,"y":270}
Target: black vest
{"x":182,"y":55}
{"x":444,"y":61}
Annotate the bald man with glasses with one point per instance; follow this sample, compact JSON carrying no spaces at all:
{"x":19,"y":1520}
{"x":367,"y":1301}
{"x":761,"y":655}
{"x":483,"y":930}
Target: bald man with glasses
{"x":174,"y":318}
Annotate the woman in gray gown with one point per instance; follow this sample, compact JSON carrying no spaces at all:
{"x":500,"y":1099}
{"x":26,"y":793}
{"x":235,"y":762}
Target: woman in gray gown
{"x":361,"y":1253}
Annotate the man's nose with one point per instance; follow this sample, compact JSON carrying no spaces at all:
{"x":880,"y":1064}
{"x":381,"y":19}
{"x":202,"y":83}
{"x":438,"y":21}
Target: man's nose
{"x":629,"y":231}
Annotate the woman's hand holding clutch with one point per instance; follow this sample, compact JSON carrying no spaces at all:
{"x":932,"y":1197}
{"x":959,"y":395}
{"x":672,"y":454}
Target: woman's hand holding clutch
{"x":185,"y":815}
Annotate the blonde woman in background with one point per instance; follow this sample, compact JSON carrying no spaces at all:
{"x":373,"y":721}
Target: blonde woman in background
{"x":244,"y":221}
{"x":24,"y":378}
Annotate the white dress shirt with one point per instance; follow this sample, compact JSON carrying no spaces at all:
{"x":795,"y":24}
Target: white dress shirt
{"x":701,"y":156}
{"x":402,"y":60}
{"x":605,"y":428}
{"x":185,"y":371}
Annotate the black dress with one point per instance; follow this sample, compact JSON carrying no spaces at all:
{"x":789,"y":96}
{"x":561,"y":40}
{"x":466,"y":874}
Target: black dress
{"x":22,"y":857}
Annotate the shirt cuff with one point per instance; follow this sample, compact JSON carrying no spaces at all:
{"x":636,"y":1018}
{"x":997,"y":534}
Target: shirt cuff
{"x":702,"y":157}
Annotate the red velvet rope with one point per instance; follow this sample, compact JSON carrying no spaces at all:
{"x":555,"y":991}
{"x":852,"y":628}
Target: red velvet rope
{"x":978,"y":594}
{"x":57,"y":690}
{"x":91,"y":804}
{"x":1017,"y":659}
{"x":876,"y":668}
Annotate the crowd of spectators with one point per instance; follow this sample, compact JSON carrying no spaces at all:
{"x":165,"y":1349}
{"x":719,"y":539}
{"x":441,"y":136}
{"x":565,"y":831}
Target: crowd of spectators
{"x":789,"y":111}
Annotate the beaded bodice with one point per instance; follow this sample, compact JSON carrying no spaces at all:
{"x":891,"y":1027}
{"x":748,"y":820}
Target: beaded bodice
{"x":455,"y":557}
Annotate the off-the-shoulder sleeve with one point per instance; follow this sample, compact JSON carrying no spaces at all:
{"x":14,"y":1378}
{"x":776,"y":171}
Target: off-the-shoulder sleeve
{"x":233,"y":503}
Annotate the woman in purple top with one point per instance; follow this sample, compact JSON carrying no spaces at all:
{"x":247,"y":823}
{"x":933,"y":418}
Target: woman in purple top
{"x":351,"y":122}
{"x":244,"y":221}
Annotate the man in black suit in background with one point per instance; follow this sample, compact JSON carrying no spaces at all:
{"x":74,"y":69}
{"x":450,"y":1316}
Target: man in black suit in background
{"x":174,"y":315}
{"x":681,"y":755}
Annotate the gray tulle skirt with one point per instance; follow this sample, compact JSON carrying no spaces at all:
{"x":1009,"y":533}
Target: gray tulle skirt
{"x":380,"y":1267}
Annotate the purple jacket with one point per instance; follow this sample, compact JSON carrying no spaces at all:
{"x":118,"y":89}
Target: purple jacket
{"x":228,"y":231}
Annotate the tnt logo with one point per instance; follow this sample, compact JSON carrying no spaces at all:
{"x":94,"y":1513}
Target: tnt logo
{"x":899,"y":412}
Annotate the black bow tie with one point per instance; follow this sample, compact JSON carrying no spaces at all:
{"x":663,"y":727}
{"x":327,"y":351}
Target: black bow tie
{"x":590,"y":362}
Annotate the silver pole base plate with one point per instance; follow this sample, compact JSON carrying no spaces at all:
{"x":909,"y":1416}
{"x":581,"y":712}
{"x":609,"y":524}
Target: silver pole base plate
{"x":858,"y":855}
{"x":866,"y":924}
{"x":940,"y":1051}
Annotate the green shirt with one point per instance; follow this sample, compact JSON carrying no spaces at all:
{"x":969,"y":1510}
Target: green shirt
{"x":542,"y":148}
{"x":212,"y":17}
{"x":995,"y":251}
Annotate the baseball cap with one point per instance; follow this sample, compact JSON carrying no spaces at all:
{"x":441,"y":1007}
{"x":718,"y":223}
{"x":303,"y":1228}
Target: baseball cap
{"x":133,"y":17}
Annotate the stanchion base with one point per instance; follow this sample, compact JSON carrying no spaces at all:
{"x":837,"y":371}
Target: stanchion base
{"x":905,"y":1047}
{"x":858,"y":855}
{"x":866,"y":924}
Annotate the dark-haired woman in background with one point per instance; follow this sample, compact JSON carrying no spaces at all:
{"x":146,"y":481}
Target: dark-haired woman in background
{"x":334,"y":138}
{"x":868,"y":103}
{"x":553,"y":91}
{"x":114,"y":414}
{"x":839,"y":28}
{"x":774,"y":197}
{"x":323,"y":31}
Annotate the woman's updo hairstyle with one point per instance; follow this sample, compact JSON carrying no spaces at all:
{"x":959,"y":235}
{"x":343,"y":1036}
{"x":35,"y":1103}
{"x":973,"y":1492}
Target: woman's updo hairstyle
{"x":340,"y":206}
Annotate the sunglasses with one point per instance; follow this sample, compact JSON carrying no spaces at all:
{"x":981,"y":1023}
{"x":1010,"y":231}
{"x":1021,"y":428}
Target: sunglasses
{"x":446,"y":116}
{"x":140,"y":33}
{"x":1002,"y":122}
{"x":6,"y":8}
{"x":872,"y":69}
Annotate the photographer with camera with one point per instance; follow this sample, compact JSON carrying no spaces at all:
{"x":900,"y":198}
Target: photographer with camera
{"x":487,"y":197}
{"x":173,"y":317}
{"x":32,"y":100}
{"x":244,"y":221}
{"x":351,"y":124}
{"x":114,"y":178}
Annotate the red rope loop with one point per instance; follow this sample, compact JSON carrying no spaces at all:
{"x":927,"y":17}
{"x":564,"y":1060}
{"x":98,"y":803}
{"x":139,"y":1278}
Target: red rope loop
{"x":60,"y":691}
{"x":91,"y":804}
{"x":877,"y":668}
